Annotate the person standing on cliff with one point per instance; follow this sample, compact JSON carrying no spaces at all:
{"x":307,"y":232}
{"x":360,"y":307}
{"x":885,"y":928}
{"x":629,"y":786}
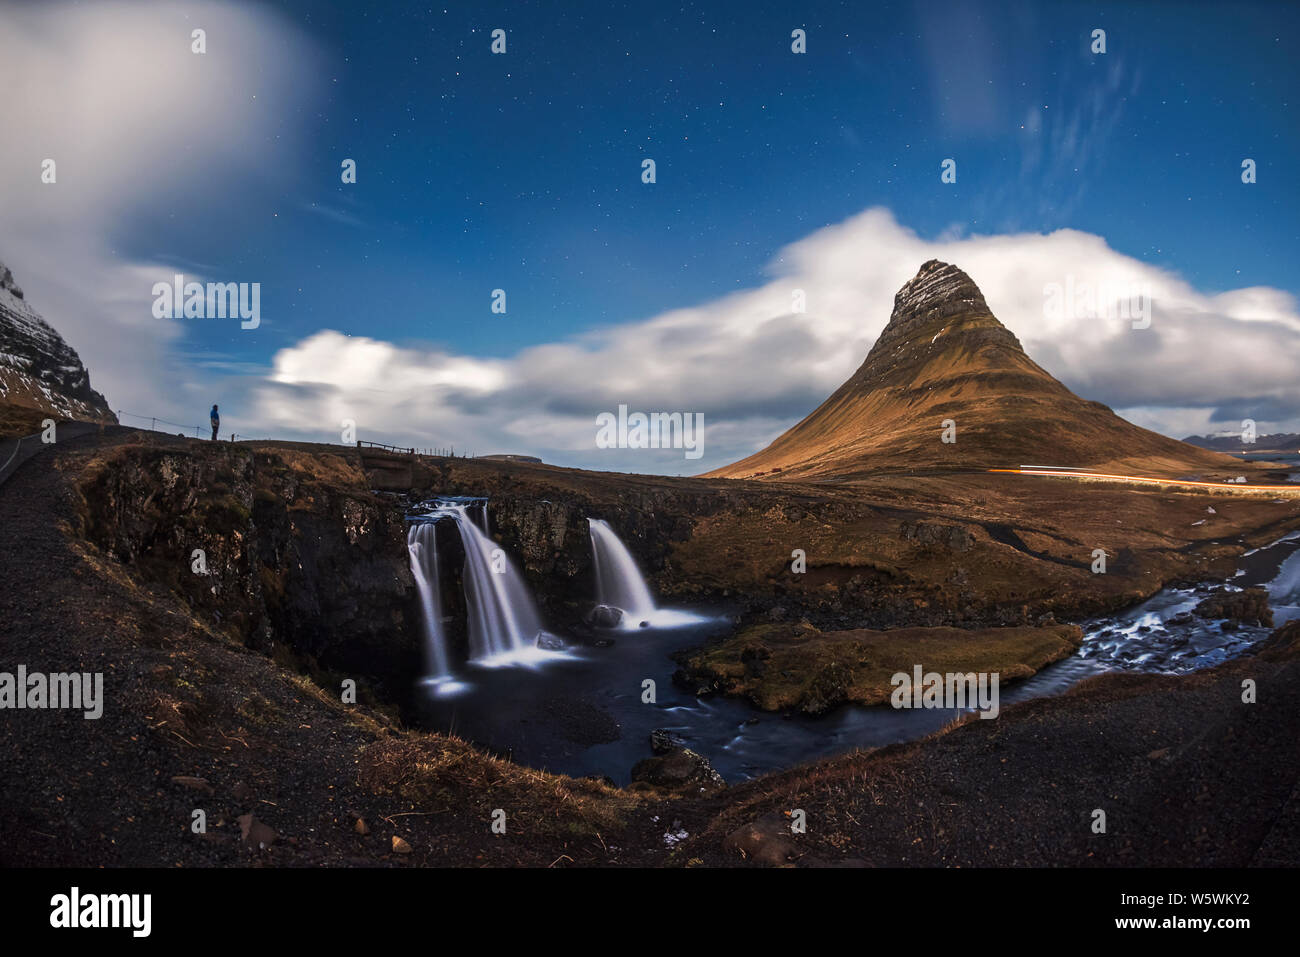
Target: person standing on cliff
{"x":216,"y":421}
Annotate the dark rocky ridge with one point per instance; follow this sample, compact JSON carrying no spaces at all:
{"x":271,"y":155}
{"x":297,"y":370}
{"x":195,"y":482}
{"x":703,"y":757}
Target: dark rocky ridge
{"x":38,"y":369}
{"x":937,"y":291}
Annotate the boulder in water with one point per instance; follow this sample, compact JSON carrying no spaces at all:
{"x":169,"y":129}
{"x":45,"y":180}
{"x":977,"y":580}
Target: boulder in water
{"x":662,"y":740}
{"x":605,"y":616}
{"x":549,"y":642}
{"x":1248,"y":607}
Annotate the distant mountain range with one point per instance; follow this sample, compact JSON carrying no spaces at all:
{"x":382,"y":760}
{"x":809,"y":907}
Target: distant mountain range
{"x":944,"y":366}
{"x":1277,"y":442}
{"x":40,"y":374}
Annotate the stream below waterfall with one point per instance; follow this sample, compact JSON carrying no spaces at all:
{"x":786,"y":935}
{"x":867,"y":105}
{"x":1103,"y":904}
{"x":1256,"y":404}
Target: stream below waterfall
{"x":581,"y":712}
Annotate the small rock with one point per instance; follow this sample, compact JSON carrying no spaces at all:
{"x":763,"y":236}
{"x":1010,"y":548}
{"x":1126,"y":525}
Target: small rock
{"x":400,"y":846}
{"x":662,"y":740}
{"x":361,"y":827}
{"x":194,"y":783}
{"x":242,"y":792}
{"x":254,"y":833}
{"x":549,"y":642}
{"x":767,"y":841}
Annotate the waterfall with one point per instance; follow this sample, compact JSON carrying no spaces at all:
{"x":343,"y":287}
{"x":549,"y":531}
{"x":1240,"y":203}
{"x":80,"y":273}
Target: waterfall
{"x":503,"y":620}
{"x":618,"y":580}
{"x":422,"y":545}
{"x":504,"y":625}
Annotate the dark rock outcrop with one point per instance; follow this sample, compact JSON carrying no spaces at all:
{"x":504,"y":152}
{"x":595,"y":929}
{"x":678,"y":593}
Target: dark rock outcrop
{"x":1248,"y":607}
{"x":289,"y":562}
{"x":38,"y":369}
{"x":662,"y":740}
{"x":678,"y":769}
{"x":931,"y":533}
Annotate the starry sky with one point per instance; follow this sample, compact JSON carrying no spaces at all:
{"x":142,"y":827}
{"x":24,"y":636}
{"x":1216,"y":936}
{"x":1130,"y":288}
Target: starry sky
{"x":522,"y":172}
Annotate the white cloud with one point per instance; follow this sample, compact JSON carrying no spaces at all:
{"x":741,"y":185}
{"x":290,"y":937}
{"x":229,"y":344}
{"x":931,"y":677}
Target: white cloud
{"x":135,"y":121}
{"x":753,"y":368}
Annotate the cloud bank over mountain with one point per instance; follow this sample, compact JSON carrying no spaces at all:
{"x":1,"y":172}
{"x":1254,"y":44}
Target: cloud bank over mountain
{"x":754,"y":366}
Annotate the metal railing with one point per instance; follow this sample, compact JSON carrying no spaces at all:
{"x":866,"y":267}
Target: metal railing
{"x":201,"y":431}
{"x":449,"y":453}
{"x":154,"y":422}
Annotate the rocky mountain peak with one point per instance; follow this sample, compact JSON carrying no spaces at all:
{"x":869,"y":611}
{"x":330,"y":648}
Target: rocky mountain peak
{"x":937,"y":309}
{"x":939,"y":290}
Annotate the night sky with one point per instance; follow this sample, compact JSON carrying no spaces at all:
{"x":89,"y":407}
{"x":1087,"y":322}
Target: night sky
{"x":522,"y":171}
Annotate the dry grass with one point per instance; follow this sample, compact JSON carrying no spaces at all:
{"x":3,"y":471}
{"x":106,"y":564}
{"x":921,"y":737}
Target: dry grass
{"x":441,"y":773}
{"x":778,"y":667}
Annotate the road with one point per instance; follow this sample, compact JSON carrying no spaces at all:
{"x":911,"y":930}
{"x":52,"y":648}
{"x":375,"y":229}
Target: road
{"x":1289,"y":489}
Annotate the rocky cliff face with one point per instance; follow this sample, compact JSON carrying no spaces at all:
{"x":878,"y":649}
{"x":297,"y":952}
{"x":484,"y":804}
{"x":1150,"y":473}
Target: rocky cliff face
{"x":38,"y":369}
{"x":293,"y":562}
{"x":725,"y":546}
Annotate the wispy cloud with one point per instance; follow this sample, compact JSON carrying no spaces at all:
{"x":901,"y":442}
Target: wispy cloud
{"x":333,"y":214}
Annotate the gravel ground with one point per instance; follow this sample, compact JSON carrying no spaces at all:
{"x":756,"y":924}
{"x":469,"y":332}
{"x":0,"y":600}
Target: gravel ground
{"x":1186,"y":773}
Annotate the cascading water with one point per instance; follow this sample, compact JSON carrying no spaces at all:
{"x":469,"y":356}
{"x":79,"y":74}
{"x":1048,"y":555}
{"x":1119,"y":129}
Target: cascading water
{"x":503,"y":620}
{"x":422,"y":545}
{"x":504,"y":625}
{"x":618,"y":581}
